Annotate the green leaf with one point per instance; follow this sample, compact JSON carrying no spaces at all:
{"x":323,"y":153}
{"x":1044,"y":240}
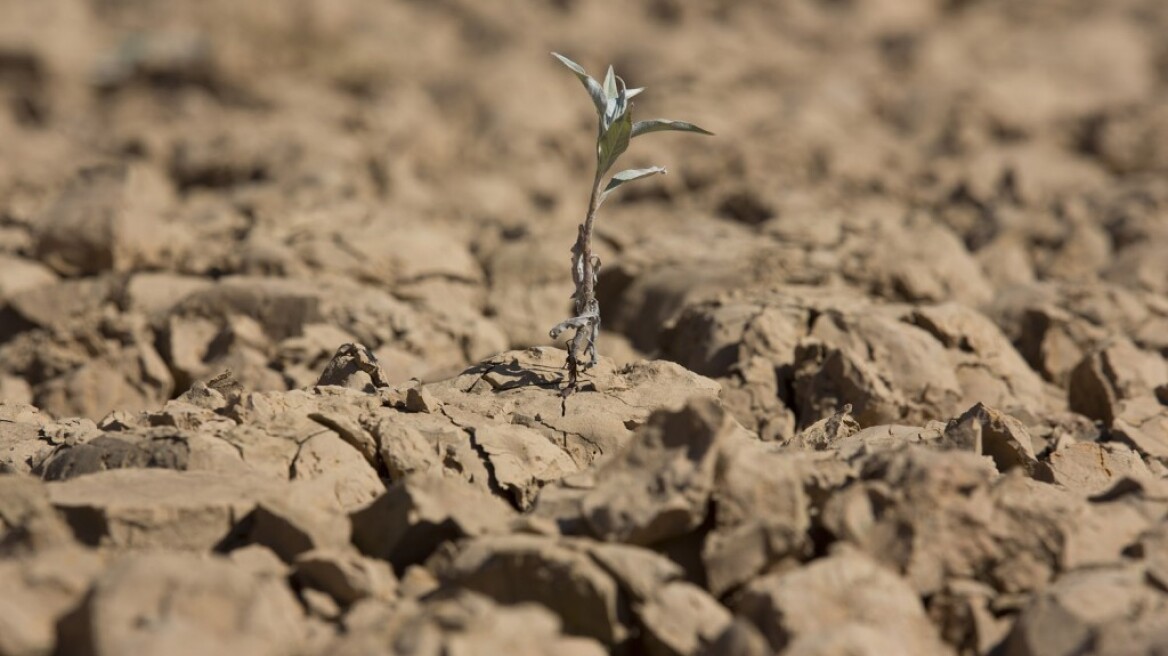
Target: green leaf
{"x":614,"y":135}
{"x":593,"y":87}
{"x":661,"y":125}
{"x":628,"y":175}
{"x":610,"y":83}
{"x":617,"y":105}
{"x":609,"y":115}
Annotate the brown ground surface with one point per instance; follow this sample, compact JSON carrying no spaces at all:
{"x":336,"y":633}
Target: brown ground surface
{"x":884,"y":361}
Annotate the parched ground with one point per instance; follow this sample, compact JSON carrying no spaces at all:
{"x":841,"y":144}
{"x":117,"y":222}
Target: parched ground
{"x":884,"y":361}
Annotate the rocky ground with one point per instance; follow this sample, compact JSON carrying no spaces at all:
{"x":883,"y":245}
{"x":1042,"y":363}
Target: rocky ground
{"x":884,"y":364}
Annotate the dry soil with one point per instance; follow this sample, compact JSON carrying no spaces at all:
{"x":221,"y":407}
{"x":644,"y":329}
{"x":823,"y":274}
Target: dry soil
{"x":884,"y":361}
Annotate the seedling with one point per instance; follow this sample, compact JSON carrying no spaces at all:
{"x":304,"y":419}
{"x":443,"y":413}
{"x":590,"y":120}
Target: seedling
{"x":617,"y":128}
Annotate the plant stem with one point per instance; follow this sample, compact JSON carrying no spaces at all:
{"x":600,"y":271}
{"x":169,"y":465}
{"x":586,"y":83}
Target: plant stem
{"x":582,"y":348}
{"x":586,"y":295}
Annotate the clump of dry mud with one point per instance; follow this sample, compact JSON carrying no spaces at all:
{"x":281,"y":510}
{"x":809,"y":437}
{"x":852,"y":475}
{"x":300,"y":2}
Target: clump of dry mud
{"x":885,"y":363}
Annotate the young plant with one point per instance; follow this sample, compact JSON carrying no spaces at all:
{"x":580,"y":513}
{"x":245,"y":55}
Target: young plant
{"x":617,"y":128}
